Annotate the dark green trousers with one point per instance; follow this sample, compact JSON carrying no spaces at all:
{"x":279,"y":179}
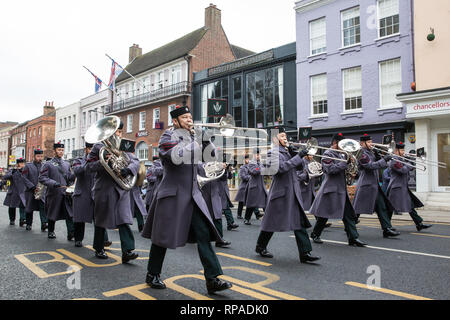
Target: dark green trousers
{"x":208,"y":257}
{"x":414,"y":215}
{"x":69,"y":225}
{"x":383,"y":215}
{"x":138,"y":215}
{"x":42,"y":215}
{"x":218,"y":224}
{"x":228,"y":215}
{"x":301,"y":237}
{"x":12,"y":214}
{"x":348,"y":220}
{"x":125,"y":234}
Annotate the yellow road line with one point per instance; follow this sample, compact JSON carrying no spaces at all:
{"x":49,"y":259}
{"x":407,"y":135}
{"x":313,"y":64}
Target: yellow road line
{"x":430,"y":235}
{"x":388,"y":291}
{"x":244,"y":259}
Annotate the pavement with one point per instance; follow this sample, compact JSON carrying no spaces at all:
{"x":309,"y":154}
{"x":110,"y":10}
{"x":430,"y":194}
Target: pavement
{"x":413,"y":266}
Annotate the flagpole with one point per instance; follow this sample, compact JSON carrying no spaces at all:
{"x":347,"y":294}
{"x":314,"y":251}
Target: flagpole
{"x":140,"y":82}
{"x":102,"y":83}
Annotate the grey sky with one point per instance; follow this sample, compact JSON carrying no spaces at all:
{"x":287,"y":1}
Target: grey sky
{"x":44,"y":43}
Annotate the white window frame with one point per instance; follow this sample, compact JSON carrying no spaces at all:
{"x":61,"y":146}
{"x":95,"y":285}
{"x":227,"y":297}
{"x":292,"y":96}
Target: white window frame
{"x":310,"y":39}
{"x":142,"y":119}
{"x":74,"y":121}
{"x":129,"y":123}
{"x":60,"y":124}
{"x":160,"y":82}
{"x":156,"y":118}
{"x":311,"y":95}
{"x":138,"y":151}
{"x":342,"y":27}
{"x":169,"y":117}
{"x":398,"y":104}
{"x":343,"y":89}
{"x":378,"y":20}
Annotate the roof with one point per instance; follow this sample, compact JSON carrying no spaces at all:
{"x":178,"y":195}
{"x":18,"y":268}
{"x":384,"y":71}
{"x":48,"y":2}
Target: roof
{"x":241,"y":52}
{"x":169,"y":52}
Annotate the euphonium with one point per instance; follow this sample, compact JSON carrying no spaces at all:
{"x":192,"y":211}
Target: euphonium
{"x":104,"y":131}
{"x":213,"y":170}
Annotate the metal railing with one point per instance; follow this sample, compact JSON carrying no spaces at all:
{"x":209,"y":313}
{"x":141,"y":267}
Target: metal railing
{"x":154,"y":95}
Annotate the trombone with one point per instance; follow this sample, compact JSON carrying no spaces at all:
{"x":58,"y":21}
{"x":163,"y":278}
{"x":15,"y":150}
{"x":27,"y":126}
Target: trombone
{"x":430,"y":162}
{"x":312,"y":146}
{"x":389,"y":149}
{"x":227,"y":129}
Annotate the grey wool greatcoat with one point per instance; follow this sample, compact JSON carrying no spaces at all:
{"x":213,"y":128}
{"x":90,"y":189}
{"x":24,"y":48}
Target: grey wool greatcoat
{"x":244,"y":176}
{"x":83,"y":200}
{"x":368,"y":185}
{"x":398,"y":192}
{"x":211,"y":194}
{"x":170,"y":213}
{"x":15,"y":197}
{"x":306,"y":186}
{"x":224,"y":191}
{"x":255,"y":193}
{"x":154,"y":177}
{"x":111,"y":202}
{"x":52,"y":172}
{"x":284,"y":210}
{"x":137,"y":201}
{"x":332,"y":195}
{"x":30,"y":175}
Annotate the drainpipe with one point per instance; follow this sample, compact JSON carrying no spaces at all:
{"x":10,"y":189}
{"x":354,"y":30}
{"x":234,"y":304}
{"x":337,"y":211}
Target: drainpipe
{"x":411,"y":7}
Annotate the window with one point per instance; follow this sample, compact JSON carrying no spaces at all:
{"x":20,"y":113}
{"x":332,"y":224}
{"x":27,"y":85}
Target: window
{"x":214,"y":90}
{"x":175,"y":76}
{"x":155,"y":151}
{"x":74,"y":121}
{"x":34,"y":132}
{"x":69,"y":123}
{"x":160,"y":79}
{"x":319,"y":94}
{"x":317,"y":36}
{"x":388,"y":17}
{"x":142,"y":151}
{"x":352,"y":88}
{"x":350,"y":27}
{"x":142,"y":120}
{"x":60,"y":124}
{"x":169,"y":120}
{"x":39,"y":131}
{"x":390,"y":83}
{"x":84,"y":118}
{"x":95,"y":115}
{"x":65,"y":123}
{"x":30,"y":133}
{"x":129,"y":123}
{"x":237,"y":100}
{"x":73,"y":143}
{"x":155,"y":116}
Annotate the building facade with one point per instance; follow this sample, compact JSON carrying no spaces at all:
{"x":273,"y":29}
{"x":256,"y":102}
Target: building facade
{"x":162,"y":79}
{"x":67,"y":128}
{"x":429,"y":106}
{"x":353,"y":57}
{"x":41,"y":132}
{"x":18,"y":146}
{"x":5,"y":144}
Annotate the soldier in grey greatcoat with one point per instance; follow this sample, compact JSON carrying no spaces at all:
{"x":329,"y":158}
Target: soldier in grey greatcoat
{"x":244,"y":177}
{"x":224,"y":192}
{"x":137,"y":205}
{"x":111,"y":202}
{"x":368,"y":196}
{"x":332,"y":201}
{"x":255,"y":193}
{"x":306,"y":184}
{"x":15,"y":197}
{"x":178,"y":213}
{"x":402,"y":199}
{"x":284,"y":210}
{"x":56,"y":175}
{"x":154,"y":177}
{"x":30,"y":175}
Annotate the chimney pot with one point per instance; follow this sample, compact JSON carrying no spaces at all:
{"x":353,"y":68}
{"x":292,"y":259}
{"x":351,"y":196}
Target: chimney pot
{"x":134,"y":52}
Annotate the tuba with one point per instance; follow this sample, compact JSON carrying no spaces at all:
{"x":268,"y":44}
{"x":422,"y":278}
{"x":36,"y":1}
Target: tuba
{"x":213,"y":170}
{"x":104,"y":131}
{"x":354,"y":152}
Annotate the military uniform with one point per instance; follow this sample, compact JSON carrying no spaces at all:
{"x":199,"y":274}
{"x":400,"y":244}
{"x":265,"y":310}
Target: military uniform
{"x":255,"y":193}
{"x":306,"y":186}
{"x":55,"y":174}
{"x":137,"y":206}
{"x":31,"y":175}
{"x":368,"y":196}
{"x":240,"y":195}
{"x":15,"y":197}
{"x":401,"y":197}
{"x":154,"y":176}
{"x":332,"y":201}
{"x":224,"y":193}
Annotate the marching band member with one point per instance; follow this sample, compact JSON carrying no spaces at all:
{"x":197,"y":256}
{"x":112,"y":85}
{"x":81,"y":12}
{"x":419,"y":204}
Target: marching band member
{"x":137,"y":206}
{"x":332,"y":201}
{"x":306,"y":183}
{"x":224,"y":193}
{"x":244,"y":177}
{"x":284,"y":210}
{"x":402,"y":199}
{"x":256,"y":193}
{"x":56,"y":175}
{"x":112,"y":203}
{"x":368,"y":196}
{"x":15,"y":198}
{"x":83,"y":200}
{"x":154,"y":176}
{"x":178,"y":212}
{"x":31,"y":175}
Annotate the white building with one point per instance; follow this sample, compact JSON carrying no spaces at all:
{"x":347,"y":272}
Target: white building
{"x":92,"y":108}
{"x":67,"y":128}
{"x":4,"y":146}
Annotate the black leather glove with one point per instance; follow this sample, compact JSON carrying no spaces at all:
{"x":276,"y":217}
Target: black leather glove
{"x":387,"y":157}
{"x":377,"y":154}
{"x":57,"y":185}
{"x":292,"y":150}
{"x":303,"y":153}
{"x":125,"y":172}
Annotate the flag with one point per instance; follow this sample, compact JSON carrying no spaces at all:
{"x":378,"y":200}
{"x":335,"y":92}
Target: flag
{"x":116,"y":69}
{"x":98,"y":81}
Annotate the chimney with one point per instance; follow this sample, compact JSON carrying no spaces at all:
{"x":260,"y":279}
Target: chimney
{"x":134,"y":52}
{"x":48,"y":108}
{"x":213,"y":17}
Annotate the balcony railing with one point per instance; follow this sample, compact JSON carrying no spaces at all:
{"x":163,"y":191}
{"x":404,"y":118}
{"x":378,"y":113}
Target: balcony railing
{"x":154,"y":95}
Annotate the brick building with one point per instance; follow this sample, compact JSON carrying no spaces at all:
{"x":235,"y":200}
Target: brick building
{"x":18,"y":144}
{"x":41,"y":132}
{"x":162,"y":80}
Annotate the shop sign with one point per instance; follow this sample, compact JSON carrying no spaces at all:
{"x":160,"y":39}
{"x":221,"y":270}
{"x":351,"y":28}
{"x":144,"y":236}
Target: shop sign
{"x":429,"y":106}
{"x":141,"y":134}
